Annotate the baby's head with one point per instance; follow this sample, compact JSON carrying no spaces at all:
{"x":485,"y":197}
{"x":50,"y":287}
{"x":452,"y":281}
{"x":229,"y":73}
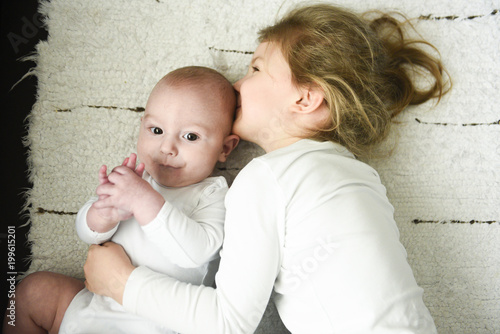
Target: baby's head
{"x":186,"y":128}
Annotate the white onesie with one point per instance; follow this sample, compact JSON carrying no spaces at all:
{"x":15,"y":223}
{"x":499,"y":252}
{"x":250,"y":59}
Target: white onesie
{"x":183,"y":241}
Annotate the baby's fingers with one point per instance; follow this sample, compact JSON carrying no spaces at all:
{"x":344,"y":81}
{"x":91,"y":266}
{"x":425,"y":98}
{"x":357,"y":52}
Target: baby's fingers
{"x":105,"y":190}
{"x":130,"y":161}
{"x":140,"y":169}
{"x":104,"y":203}
{"x":103,"y":174}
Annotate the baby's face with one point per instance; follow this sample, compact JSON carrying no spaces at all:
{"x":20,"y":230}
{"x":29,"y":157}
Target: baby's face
{"x":181,"y":136}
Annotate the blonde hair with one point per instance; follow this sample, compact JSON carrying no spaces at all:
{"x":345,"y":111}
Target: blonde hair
{"x":364,"y":67}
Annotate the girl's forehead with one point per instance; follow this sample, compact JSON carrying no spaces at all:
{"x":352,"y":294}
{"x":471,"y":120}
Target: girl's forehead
{"x":264,"y":49}
{"x":269,"y":51}
{"x":273,"y":60}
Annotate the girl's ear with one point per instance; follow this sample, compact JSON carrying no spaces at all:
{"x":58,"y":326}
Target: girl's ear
{"x":311,"y":98}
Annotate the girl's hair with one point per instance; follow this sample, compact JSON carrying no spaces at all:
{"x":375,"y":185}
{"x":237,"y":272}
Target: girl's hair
{"x":367,"y":69}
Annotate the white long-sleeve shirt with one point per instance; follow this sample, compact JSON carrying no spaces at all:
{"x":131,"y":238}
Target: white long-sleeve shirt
{"x":312,"y":222}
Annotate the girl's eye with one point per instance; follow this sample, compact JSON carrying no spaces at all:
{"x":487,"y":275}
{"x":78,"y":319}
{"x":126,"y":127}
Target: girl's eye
{"x":191,"y":136}
{"x":156,"y":131}
{"x":255,"y":69}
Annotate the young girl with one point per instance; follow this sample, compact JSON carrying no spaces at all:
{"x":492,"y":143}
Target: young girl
{"x":307,"y":219}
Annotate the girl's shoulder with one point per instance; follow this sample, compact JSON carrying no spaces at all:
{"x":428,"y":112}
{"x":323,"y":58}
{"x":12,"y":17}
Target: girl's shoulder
{"x":313,"y":161}
{"x":308,"y":155}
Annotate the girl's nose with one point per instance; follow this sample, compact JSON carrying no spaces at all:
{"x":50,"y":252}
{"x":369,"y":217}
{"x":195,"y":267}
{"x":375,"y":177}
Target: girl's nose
{"x":237,"y":85}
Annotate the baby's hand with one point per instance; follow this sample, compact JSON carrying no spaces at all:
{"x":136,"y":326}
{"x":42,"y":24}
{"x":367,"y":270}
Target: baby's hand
{"x":110,"y":214}
{"x":123,"y":190}
{"x":127,"y":191}
{"x":105,"y":217}
{"x":103,"y":175}
{"x":129,"y":162}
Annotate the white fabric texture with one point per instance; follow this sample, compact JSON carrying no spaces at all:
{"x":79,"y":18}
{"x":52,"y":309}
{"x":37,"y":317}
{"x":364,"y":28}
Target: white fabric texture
{"x":102,"y":58}
{"x":322,"y":233}
{"x":94,"y":314}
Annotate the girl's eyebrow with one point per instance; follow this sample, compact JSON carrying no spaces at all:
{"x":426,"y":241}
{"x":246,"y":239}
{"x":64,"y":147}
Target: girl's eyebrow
{"x":255,"y":59}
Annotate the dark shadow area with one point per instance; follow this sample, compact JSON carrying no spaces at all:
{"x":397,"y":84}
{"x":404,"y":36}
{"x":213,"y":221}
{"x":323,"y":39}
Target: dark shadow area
{"x":21,"y":30}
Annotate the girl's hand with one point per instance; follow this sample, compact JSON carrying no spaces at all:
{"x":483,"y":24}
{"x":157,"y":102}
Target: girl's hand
{"x":107,"y":270}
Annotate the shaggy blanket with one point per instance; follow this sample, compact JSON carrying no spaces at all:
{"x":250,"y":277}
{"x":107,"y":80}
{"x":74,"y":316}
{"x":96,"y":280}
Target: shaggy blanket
{"x":102,"y":58}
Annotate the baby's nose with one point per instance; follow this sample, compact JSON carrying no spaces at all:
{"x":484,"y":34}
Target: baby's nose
{"x":169,"y":147}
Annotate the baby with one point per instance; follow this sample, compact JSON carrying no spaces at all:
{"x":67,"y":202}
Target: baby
{"x":168,"y":212}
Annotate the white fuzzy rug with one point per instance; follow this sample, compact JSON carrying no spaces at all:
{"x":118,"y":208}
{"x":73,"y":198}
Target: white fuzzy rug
{"x":103,"y":57}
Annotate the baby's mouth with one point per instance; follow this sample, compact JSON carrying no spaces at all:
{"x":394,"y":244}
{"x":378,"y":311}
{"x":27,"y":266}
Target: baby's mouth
{"x":167,"y":166}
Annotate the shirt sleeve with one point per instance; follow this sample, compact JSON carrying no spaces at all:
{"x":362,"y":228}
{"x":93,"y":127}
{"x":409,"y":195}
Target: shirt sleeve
{"x":190,"y":241}
{"x":250,"y":262}
{"x":83,"y":230}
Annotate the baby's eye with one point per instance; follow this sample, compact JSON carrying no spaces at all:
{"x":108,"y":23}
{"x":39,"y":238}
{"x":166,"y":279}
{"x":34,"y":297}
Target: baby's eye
{"x":156,"y":131}
{"x":191,"y":136}
{"x":255,"y":69}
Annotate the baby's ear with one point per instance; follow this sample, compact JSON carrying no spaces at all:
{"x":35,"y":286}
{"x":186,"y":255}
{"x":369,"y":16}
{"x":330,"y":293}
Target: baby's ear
{"x":230,"y":143}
